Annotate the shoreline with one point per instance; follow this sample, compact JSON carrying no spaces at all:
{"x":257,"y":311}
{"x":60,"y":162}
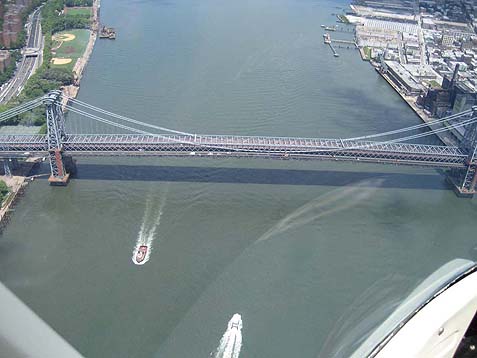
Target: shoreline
{"x":82,"y":62}
{"x":17,"y":185}
{"x":444,"y":137}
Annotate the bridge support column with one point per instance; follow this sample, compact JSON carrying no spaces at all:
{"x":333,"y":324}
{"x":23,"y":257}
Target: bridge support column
{"x":59,"y":176}
{"x":464,"y":181}
{"x":6,"y":168}
{"x":55,"y":134}
{"x":464,"y":184}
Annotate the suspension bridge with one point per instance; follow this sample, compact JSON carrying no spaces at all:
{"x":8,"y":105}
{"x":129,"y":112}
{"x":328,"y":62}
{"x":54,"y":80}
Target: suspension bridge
{"x":144,"y":139}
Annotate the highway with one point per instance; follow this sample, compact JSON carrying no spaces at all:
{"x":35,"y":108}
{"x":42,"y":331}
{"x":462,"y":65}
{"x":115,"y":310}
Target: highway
{"x":28,"y":63}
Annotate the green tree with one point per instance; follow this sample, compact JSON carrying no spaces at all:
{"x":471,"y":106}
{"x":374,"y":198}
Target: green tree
{"x":4,"y":190}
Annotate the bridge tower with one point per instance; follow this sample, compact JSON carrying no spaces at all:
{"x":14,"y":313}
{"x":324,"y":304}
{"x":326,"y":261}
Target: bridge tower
{"x":55,"y":133}
{"x":465,"y":180}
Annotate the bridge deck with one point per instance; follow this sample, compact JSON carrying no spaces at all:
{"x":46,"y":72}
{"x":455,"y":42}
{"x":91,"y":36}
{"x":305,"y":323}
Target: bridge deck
{"x":239,"y":146}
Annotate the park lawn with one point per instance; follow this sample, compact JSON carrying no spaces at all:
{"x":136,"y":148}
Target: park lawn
{"x":79,"y":11}
{"x":367,"y":52}
{"x":72,"y":49}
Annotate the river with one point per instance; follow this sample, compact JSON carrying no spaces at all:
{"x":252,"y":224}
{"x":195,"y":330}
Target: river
{"x":310,"y":254}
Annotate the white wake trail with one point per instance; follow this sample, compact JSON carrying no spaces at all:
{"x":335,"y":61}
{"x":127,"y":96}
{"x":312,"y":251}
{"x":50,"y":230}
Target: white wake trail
{"x":231,"y":342}
{"x":238,"y":344}
{"x":329,"y":203}
{"x":150,"y":223}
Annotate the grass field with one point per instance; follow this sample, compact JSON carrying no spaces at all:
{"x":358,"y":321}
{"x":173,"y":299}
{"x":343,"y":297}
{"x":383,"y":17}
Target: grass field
{"x":367,"y":52}
{"x":79,"y":11}
{"x":72,"y":49}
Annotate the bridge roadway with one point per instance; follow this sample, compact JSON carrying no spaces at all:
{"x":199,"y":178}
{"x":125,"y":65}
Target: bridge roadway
{"x":238,"y":146}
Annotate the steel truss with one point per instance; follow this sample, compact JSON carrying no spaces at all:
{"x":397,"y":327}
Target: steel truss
{"x":237,"y":146}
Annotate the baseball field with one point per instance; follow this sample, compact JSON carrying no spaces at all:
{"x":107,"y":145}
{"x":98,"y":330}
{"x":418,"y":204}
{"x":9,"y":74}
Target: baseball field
{"x":68,"y":46}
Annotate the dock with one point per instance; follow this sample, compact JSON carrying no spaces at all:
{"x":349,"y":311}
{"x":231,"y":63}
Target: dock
{"x":328,"y":41}
{"x":346,"y":42}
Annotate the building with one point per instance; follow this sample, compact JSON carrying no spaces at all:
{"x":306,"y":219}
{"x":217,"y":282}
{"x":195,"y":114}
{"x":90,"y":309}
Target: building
{"x":464,"y":96}
{"x":402,"y":78}
{"x":12,"y":14}
{"x":436,"y":101}
{"x":423,"y":73}
{"x":5,"y":60}
{"x":447,"y":40}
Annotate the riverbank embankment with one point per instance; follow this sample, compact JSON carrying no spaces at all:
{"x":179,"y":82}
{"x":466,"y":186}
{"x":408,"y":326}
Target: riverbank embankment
{"x":17,"y":185}
{"x":445,"y":137}
{"x":80,"y":65}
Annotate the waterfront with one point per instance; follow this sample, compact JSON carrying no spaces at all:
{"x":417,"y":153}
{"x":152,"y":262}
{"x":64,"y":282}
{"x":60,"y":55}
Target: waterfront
{"x":291,"y":251}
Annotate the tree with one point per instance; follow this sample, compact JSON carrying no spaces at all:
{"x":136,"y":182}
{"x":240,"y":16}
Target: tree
{"x":4,"y":190}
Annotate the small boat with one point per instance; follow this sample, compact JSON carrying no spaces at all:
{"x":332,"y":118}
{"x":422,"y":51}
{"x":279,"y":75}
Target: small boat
{"x":323,"y":26}
{"x":140,"y":255}
{"x":336,"y":55}
{"x":235,"y":322}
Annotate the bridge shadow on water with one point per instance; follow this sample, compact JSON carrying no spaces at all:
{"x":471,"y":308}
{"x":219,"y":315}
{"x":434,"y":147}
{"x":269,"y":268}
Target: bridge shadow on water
{"x":432,"y":181}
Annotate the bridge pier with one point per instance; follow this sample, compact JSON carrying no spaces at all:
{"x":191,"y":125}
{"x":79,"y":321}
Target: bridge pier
{"x":59,"y":176}
{"x":459,"y":190}
{"x":464,"y":181}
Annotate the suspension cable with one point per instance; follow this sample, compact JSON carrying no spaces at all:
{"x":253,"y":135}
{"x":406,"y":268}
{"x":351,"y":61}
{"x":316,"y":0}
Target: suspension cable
{"x":169,"y":139}
{"x":382,"y":134}
{"x":365,"y":145}
{"x":417,"y":126}
{"x":127,"y":119}
{"x":27,"y":106}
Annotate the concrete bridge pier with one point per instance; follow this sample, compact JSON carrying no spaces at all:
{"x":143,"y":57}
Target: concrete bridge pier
{"x":65,"y":167}
{"x":59,"y":176}
{"x":458,"y":184}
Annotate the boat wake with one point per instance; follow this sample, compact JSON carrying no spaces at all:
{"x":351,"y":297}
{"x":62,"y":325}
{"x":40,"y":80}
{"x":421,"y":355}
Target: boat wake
{"x":231,"y":341}
{"x":150,"y":222}
{"x":330,"y":203}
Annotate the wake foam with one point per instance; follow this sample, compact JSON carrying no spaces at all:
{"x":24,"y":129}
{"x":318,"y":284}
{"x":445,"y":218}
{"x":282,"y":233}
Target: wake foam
{"x":327,"y":204}
{"x":150,"y":223}
{"x":231,"y":342}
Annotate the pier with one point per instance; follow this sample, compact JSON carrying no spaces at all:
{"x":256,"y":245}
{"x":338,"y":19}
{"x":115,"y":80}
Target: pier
{"x":336,"y":54}
{"x":346,"y":42}
{"x":328,"y":41}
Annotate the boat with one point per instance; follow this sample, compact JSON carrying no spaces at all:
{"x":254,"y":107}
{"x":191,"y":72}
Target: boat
{"x":323,"y":26}
{"x":107,"y":33}
{"x":336,"y":54}
{"x":140,"y":255}
{"x":235,"y":322}
{"x":437,"y":319}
